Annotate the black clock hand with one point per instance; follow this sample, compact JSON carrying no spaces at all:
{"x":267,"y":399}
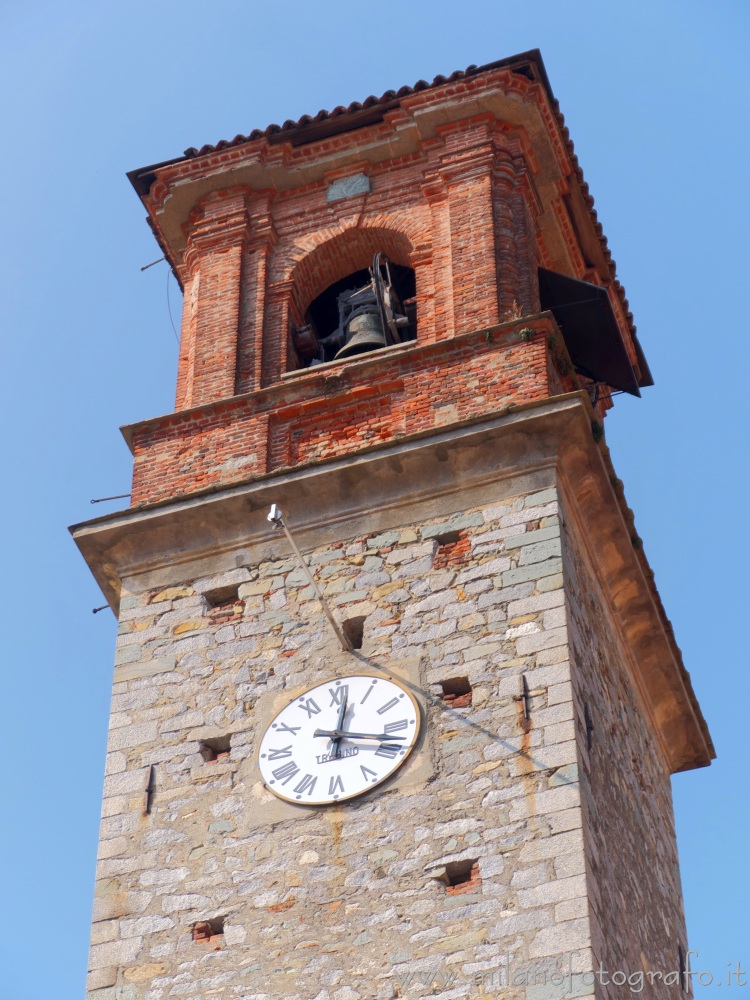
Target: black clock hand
{"x":342,"y":712}
{"x":337,"y":734}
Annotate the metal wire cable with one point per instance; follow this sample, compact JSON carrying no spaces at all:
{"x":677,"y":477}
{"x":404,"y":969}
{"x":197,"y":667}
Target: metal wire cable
{"x":169,"y":309}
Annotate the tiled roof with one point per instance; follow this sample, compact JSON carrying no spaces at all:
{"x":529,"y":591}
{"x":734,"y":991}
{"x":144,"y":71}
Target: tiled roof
{"x":376,"y":106}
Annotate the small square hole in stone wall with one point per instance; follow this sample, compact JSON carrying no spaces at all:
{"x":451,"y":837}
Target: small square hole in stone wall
{"x":461,"y":876}
{"x":456,"y":692}
{"x":448,"y":538}
{"x":216,"y":749}
{"x":205,"y":930}
{"x":354,"y":630}
{"x":224,"y":604}
{"x":452,"y":549}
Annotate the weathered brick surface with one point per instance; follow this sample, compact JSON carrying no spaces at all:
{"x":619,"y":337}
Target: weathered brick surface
{"x":468,"y":182}
{"x":465,"y":188}
{"x":335,"y":412}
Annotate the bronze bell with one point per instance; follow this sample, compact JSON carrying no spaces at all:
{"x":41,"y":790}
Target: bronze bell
{"x":364,"y":332}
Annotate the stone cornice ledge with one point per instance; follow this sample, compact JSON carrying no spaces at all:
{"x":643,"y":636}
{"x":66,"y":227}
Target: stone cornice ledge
{"x":549,"y":441}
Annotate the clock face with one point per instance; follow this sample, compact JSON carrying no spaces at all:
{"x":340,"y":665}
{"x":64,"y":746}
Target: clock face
{"x":338,"y":740}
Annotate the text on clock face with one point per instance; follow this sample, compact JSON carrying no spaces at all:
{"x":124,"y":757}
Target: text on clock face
{"x":348,"y":752}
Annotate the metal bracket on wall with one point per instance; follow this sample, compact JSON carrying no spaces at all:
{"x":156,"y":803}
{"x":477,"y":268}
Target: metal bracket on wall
{"x":523,"y":695}
{"x":150,"y":790}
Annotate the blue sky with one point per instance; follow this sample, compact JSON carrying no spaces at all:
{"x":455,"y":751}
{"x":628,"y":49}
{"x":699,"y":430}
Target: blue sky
{"x":656,"y":97}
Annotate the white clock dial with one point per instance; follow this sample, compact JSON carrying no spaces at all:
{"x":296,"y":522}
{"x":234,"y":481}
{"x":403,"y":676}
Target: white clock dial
{"x":338,"y":740}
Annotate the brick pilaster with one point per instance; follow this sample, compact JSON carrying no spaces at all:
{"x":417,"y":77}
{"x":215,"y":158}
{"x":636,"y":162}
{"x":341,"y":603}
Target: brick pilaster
{"x":208,"y":356}
{"x":277,"y":329}
{"x":259,"y":248}
{"x":513,"y":203}
{"x":466,"y":167}
{"x":436,"y":313}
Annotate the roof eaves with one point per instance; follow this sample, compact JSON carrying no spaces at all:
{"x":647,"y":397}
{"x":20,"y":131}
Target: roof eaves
{"x":310,"y":128}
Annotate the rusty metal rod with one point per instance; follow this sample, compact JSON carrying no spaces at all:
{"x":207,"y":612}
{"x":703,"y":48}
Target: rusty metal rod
{"x":120,"y":496}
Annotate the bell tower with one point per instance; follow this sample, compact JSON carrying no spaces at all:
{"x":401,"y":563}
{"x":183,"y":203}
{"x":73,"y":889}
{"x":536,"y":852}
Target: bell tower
{"x":401,"y":335}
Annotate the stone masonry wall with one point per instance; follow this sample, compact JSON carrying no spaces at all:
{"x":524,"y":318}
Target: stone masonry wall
{"x":638,"y":924}
{"x":348,"y":902}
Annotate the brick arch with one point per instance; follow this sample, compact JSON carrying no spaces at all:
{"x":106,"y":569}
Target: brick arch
{"x":343,"y":254}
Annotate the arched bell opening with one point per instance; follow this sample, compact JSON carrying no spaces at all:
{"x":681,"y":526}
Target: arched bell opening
{"x":369,"y":309}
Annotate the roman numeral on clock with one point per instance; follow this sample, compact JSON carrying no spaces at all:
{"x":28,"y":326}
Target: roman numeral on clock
{"x":307,"y":784}
{"x":309,"y":706}
{"x":388,"y":706}
{"x":279,"y":754}
{"x":283,"y":728}
{"x":339,"y":694}
{"x":335,"y":784}
{"x":366,"y":772}
{"x":394,"y":727}
{"x":286,"y":772}
{"x":388,"y":750}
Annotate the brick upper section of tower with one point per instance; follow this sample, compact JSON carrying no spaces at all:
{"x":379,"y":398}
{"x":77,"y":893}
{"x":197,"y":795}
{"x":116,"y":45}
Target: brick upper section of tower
{"x":469,"y":184}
